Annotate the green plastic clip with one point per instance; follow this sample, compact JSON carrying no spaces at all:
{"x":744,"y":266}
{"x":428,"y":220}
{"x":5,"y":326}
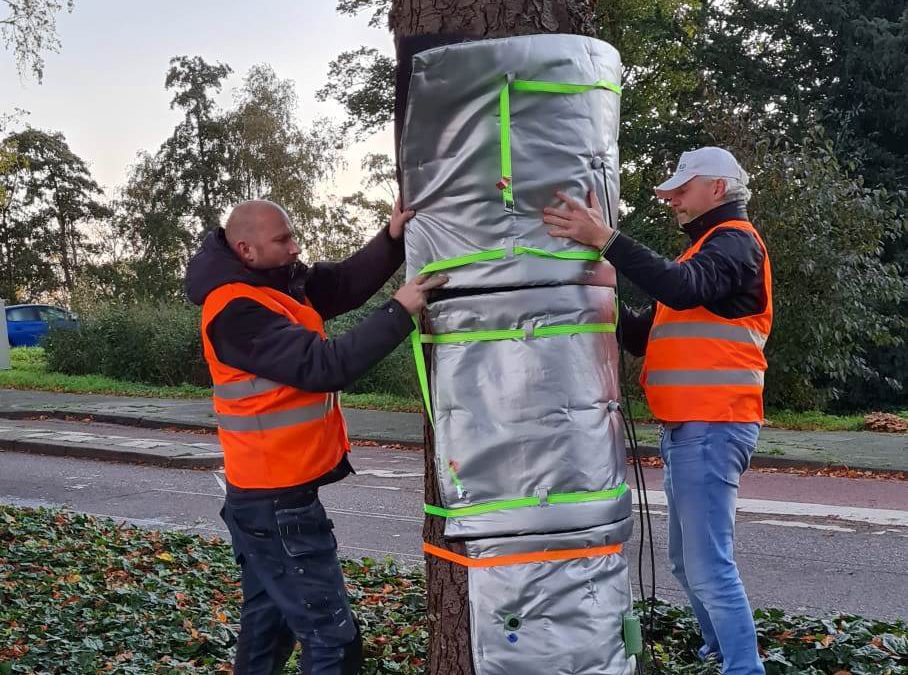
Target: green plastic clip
{"x":633,"y":635}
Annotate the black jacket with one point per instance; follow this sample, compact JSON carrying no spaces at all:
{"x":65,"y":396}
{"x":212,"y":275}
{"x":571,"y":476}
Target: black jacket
{"x":725,"y":275}
{"x":254,"y":339}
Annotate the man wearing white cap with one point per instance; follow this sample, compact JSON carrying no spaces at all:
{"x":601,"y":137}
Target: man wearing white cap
{"x":702,"y":342}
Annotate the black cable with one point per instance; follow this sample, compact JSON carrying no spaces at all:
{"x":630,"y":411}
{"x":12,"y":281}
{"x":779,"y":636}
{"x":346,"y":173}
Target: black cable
{"x":646,"y":524}
{"x":630,"y":429}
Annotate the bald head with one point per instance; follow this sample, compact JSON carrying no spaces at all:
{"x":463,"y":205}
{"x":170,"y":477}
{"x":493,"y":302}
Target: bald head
{"x":258,"y":232}
{"x":248,"y":219}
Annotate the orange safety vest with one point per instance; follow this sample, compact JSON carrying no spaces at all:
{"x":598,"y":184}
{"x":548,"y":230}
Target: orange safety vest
{"x":273,"y":435}
{"x":705,"y":368}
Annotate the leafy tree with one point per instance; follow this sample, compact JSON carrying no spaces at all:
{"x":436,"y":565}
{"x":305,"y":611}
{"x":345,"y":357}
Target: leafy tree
{"x":57,"y":197}
{"x":362,"y":80}
{"x":271,"y":157}
{"x":660,"y":113}
{"x":841,"y":62}
{"x":25,"y":268}
{"x":29,"y":29}
{"x":197,"y":149}
{"x":825,"y":229}
{"x":151,"y":235}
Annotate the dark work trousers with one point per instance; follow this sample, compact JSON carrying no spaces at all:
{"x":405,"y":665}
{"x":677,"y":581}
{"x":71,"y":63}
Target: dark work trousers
{"x":293,"y":587}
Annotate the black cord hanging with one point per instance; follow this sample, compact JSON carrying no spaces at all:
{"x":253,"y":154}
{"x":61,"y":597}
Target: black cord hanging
{"x":646,"y":525}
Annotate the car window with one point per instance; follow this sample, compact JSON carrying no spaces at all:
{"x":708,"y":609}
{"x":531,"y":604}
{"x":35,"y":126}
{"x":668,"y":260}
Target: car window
{"x":53,"y":314}
{"x":22,"y":314}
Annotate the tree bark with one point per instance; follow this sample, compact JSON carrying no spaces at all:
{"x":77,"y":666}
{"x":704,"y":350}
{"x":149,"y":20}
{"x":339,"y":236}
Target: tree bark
{"x":450,"y":650}
{"x":491,"y":18}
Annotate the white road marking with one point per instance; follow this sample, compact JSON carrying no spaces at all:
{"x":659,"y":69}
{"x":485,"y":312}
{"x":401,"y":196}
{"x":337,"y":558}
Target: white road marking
{"x":380,"y":516}
{"x":388,"y":473}
{"x":373,"y":487}
{"x":187,"y":492}
{"x":770,"y":507}
{"x":220,"y":480}
{"x":898,"y":533}
{"x":797,"y":523}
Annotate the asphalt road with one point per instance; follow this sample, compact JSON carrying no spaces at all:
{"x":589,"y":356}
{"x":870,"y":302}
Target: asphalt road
{"x":806,"y":544}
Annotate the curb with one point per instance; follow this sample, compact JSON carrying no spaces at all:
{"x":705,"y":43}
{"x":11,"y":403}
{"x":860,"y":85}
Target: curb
{"x":159,"y":423}
{"x":123,"y":456}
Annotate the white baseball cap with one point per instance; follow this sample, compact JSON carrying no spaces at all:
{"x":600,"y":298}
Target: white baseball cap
{"x":708,"y":161}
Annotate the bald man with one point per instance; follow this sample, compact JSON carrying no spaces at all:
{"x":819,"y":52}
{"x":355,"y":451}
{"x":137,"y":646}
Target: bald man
{"x":276,"y":376}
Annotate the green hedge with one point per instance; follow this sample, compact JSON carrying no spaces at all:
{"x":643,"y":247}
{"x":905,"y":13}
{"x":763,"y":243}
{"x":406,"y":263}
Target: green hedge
{"x":161,"y":345}
{"x":396,"y":374}
{"x":156,"y":344}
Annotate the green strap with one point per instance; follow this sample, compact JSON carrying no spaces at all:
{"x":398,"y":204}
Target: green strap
{"x":423,"y":377}
{"x":508,"y":504}
{"x":460,"y":261}
{"x":420,"y":359}
{"x":502,"y":253}
{"x":558,"y":255}
{"x":517,"y":333}
{"x":417,"y":340}
{"x":504,"y":113}
{"x":542,"y":87}
{"x":506,"y":185}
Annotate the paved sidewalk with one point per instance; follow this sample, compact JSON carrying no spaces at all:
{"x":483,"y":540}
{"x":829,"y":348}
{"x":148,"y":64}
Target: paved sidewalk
{"x":189,"y":414}
{"x":856,"y":450}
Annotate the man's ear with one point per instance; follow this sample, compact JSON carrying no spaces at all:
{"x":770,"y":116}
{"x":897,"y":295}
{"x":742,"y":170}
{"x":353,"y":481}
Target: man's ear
{"x":245,"y":251}
{"x":720,"y":188}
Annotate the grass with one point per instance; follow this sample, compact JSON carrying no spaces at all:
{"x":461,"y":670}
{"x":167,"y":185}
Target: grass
{"x":82,"y":595}
{"x":388,"y":402}
{"x":814,"y":420}
{"x":29,"y":371}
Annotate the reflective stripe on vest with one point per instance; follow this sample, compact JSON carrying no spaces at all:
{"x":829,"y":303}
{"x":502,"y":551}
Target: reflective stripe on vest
{"x":275,"y":420}
{"x":709,"y":331}
{"x":655,"y":378}
{"x":245,"y":388}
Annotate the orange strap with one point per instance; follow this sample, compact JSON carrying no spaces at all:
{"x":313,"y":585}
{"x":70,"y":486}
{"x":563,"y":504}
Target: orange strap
{"x":520,"y":558}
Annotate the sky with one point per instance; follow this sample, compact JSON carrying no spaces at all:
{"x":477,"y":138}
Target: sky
{"x":105,"y":89}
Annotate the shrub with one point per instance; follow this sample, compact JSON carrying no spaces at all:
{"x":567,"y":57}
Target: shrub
{"x":396,"y":374}
{"x":161,"y":345}
{"x":158,"y":344}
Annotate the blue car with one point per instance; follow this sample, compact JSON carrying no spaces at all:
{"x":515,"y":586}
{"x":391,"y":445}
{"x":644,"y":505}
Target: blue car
{"x":27,"y":324}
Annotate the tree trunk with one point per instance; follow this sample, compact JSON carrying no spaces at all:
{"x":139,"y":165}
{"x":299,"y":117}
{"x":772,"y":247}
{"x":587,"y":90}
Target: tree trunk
{"x":65,"y":263}
{"x":456,"y":20}
{"x":491,"y":18}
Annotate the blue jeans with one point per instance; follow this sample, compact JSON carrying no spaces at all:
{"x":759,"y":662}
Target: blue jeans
{"x":703,"y":464}
{"x":293,"y":588}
